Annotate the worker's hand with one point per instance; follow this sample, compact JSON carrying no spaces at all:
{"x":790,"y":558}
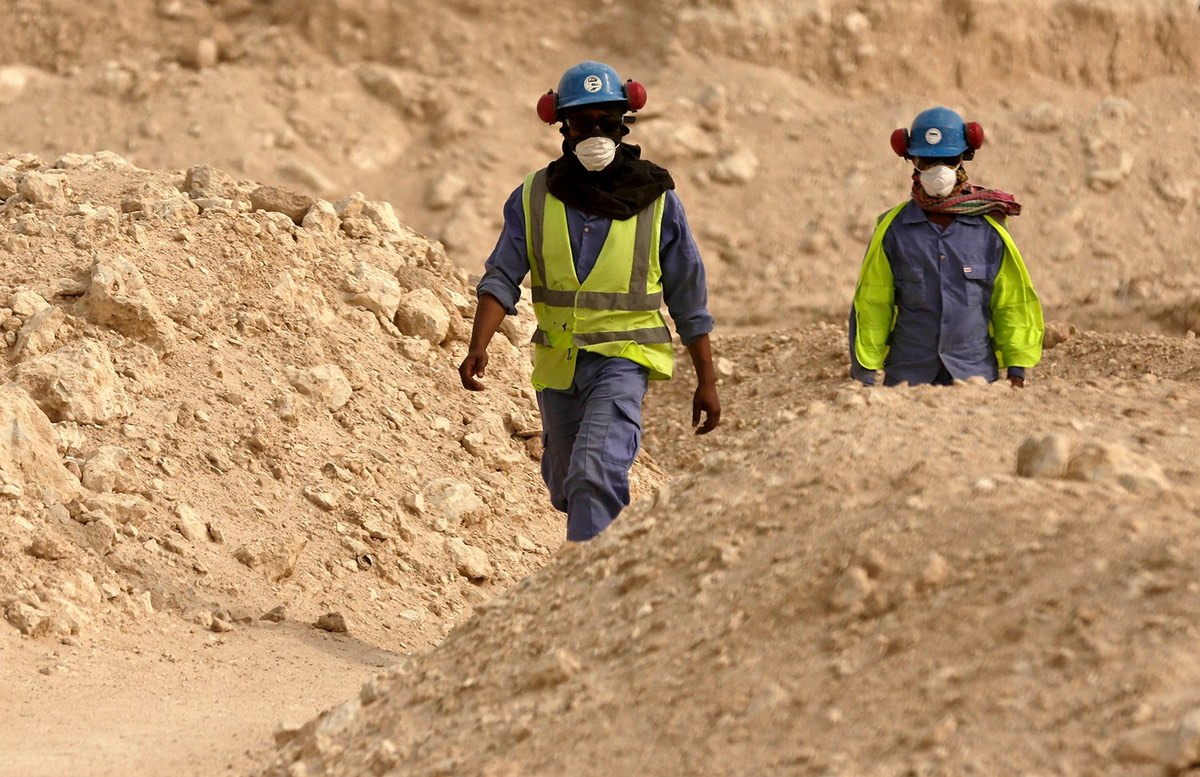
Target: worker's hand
{"x":1016,"y":382}
{"x":705,"y":401}
{"x":471,"y":368}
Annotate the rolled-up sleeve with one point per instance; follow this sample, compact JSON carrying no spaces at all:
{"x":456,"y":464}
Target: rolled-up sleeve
{"x":506,"y":268}
{"x":685,"y":286}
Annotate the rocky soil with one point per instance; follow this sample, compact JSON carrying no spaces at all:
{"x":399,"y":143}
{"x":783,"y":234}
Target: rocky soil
{"x":239,"y":484}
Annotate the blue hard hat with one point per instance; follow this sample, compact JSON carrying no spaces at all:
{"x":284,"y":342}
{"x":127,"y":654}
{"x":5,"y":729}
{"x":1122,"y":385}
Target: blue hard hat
{"x":588,"y":83}
{"x":937,"y":133}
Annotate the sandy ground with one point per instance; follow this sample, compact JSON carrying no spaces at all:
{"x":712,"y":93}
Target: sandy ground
{"x":164,"y":697}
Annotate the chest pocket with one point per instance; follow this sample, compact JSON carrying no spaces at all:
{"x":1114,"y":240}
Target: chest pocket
{"x":979,"y":279}
{"x":910,"y":290}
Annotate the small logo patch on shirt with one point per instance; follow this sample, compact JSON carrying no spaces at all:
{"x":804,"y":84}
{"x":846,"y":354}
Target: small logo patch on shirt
{"x":967,"y":269}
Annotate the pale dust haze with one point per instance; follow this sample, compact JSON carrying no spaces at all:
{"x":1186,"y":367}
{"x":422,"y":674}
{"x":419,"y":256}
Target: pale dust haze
{"x":251,"y":524}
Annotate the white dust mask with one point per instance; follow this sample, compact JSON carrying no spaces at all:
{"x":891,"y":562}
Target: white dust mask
{"x":596,"y":153}
{"x":939,"y":180}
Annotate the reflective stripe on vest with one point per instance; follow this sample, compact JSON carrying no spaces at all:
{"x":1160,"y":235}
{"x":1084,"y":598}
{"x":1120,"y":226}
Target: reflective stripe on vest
{"x":609,"y":313}
{"x":589,"y":299}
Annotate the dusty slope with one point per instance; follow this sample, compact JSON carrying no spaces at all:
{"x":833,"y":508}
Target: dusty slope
{"x":855,"y":582}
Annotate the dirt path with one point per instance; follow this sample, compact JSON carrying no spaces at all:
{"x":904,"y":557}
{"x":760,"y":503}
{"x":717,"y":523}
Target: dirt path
{"x":193,"y":703}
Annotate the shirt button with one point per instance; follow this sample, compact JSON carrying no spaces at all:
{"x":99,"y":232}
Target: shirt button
{"x":942,"y":256}
{"x":589,"y":229}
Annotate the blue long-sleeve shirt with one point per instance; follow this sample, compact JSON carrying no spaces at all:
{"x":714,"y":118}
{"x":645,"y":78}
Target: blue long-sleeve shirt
{"x":944,"y":278}
{"x":685,"y":289}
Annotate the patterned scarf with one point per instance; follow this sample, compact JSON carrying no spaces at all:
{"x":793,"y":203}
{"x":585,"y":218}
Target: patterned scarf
{"x":966,"y":199}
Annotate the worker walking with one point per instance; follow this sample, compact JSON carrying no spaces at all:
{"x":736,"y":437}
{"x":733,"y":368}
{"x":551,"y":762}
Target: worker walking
{"x":605,"y":242}
{"x":943,"y":293}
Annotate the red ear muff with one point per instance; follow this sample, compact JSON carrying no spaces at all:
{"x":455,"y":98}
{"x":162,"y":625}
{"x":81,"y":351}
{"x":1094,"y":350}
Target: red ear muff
{"x":547,"y":107}
{"x":974,"y":133}
{"x":636,"y":94}
{"x":900,"y":142}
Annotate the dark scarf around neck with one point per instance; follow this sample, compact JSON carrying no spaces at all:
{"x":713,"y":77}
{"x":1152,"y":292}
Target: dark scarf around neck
{"x":619,"y":191}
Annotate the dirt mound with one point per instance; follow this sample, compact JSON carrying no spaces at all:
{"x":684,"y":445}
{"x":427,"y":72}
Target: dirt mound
{"x":856,"y":582}
{"x":229,"y":397}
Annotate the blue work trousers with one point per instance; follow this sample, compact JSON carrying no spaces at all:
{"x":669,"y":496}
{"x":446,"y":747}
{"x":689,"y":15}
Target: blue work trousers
{"x":591,"y":434}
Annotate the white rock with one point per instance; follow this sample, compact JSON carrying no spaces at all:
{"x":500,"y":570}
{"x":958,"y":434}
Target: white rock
{"x":111,"y":468}
{"x":190,"y":525}
{"x":274,"y":557}
{"x":117,"y":297}
{"x":48,"y":190}
{"x":354,"y":221}
{"x":37,"y":336}
{"x":200,"y":54}
{"x":1174,"y":748}
{"x":326,"y":500}
{"x":1116,"y":109}
{"x":9,"y":178}
{"x":450,"y":502}
{"x":1184,"y":749}
{"x":48,"y":548}
{"x":687,"y":141}
{"x":347,"y":713}
{"x":322,"y":217}
{"x":87,"y":163}
{"x":464,"y":227}
{"x":101,"y":535}
{"x":77,"y":383}
{"x":123,"y":508}
{"x":470,"y":562}
{"x":26,"y":304}
{"x":1107,"y":174}
{"x":383,"y":216}
{"x":519,"y":329}
{"x":421,"y":314}
{"x":161,"y":203}
{"x":350,"y":206}
{"x":325,"y":383}
{"x":373,"y":289}
{"x":207,"y":182}
{"x":488,"y":438}
{"x":30,"y":621}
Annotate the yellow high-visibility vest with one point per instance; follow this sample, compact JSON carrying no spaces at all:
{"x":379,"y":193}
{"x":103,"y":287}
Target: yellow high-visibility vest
{"x":1017,"y":326}
{"x":614,"y":312}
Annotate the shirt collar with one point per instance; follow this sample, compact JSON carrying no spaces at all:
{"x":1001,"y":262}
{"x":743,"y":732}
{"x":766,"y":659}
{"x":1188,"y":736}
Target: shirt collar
{"x":914,"y":215}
